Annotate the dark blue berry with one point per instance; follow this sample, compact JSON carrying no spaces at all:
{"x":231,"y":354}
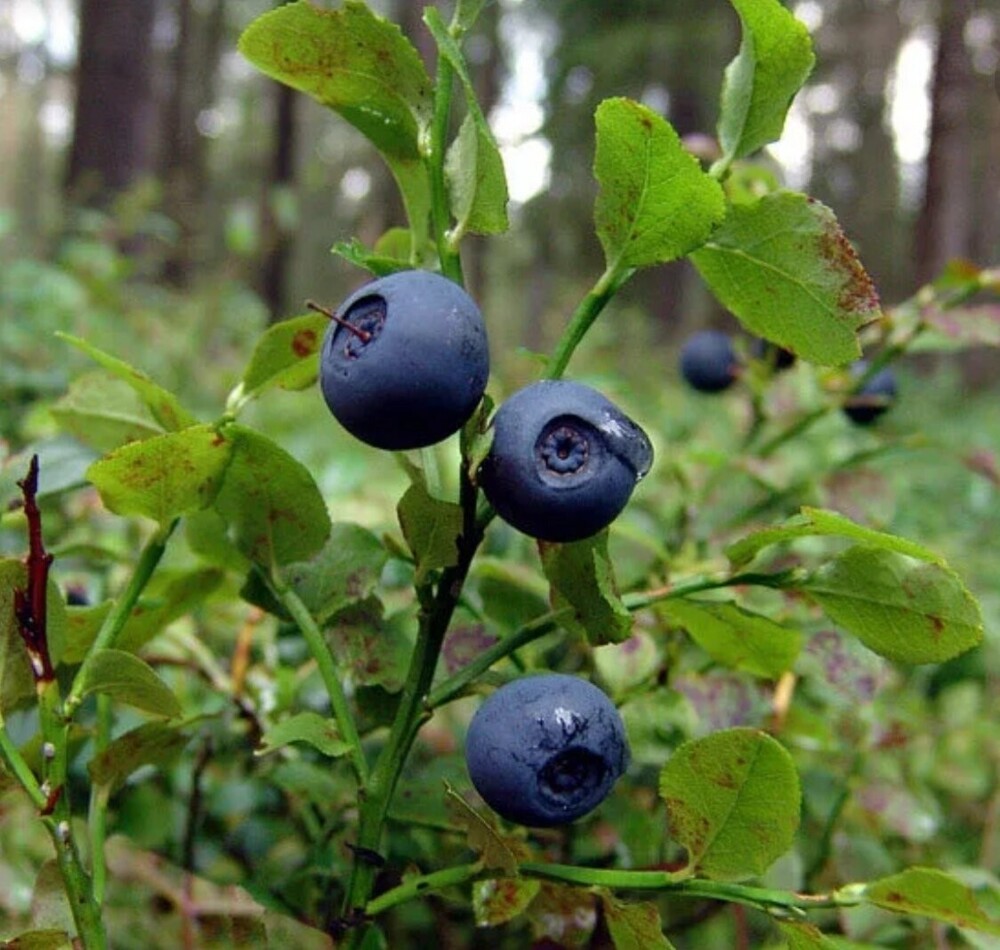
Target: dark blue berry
{"x":874,"y":398}
{"x":777,"y":357}
{"x":414,"y":367}
{"x":545,"y":750}
{"x":563,"y":462}
{"x":708,"y":361}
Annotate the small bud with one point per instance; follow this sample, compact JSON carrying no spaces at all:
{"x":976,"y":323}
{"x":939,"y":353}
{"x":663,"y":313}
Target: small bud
{"x":48,"y":750}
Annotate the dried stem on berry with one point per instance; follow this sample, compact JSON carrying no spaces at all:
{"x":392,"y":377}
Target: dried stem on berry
{"x":362,"y":335}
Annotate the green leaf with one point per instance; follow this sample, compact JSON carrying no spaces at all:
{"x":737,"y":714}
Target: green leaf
{"x":287,"y":355}
{"x":165,"y":476}
{"x":633,"y":926}
{"x":496,"y":849}
{"x":733,"y":802}
{"x":800,"y":935}
{"x":474,"y":170}
{"x":655,"y":202}
{"x":364,"y":68}
{"x":466,"y":14}
{"x":431,"y":528}
{"x":344,"y":572}
{"x":582,"y":577}
{"x":309,"y":727}
{"x":164,"y":405}
{"x":17,"y":684}
{"x":379,"y":264}
{"x":774,"y":60}
{"x":153,"y":743}
{"x":784,"y":267}
{"x":169,"y":597}
{"x":477,"y":183}
{"x":626,"y":665}
{"x":499,"y":900}
{"x":273,"y":506}
{"x":126,"y":678}
{"x":736,"y":637}
{"x":905,"y":610}
{"x":47,"y":939}
{"x":927,"y":892}
{"x":812,"y":522}
{"x":104,"y":412}
{"x":375,"y":649}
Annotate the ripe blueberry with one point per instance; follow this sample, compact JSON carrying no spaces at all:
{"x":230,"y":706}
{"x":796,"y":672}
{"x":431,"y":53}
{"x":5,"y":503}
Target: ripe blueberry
{"x":414,"y":368}
{"x":777,"y":357}
{"x":874,"y":398}
{"x":708,"y":361}
{"x":563,"y":462}
{"x":545,"y":750}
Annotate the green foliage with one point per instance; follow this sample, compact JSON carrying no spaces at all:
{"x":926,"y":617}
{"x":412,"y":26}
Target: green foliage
{"x":766,"y":624}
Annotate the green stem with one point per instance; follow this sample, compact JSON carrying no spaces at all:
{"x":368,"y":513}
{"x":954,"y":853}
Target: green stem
{"x":15,"y":763}
{"x":610,"y":282}
{"x":98,"y":815}
{"x":760,"y":898}
{"x":435,"y":616}
{"x":149,"y":558}
{"x":327,"y":670}
{"x":694,"y":585}
{"x":77,"y":885}
{"x":448,"y":256}
{"x":415,"y":887}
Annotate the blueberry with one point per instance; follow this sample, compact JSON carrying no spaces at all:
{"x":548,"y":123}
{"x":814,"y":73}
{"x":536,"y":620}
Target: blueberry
{"x":708,"y":361}
{"x":874,"y":398}
{"x":563,"y":462}
{"x":545,"y":750}
{"x":416,"y":370}
{"x":777,"y":357}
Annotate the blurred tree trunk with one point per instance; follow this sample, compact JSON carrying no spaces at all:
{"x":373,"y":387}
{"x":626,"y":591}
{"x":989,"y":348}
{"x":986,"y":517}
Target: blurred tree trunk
{"x":945,"y":227}
{"x":276,"y":228}
{"x":194,"y":68}
{"x":115,"y":109}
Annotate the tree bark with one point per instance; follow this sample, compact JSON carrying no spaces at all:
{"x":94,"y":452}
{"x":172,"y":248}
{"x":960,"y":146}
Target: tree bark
{"x":946,"y":224}
{"x":115,"y":111}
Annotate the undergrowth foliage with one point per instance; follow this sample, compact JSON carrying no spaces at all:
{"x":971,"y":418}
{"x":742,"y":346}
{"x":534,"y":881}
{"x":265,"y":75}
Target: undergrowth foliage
{"x":744,"y":659}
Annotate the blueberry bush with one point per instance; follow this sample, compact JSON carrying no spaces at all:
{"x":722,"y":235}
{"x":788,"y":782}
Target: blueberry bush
{"x":710,"y":699}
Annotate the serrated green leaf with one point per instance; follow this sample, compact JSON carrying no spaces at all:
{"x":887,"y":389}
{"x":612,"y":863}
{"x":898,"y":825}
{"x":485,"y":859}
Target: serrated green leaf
{"x":165,"y":476}
{"x":496,"y":849}
{"x":361,"y":66}
{"x":928,"y":892}
{"x":582,"y":577}
{"x":905,"y":610}
{"x":126,"y":678}
{"x":477,"y":184}
{"x":736,"y":637}
{"x":733,"y":802}
{"x":774,"y":60}
{"x":811,"y":522}
{"x":309,"y":727}
{"x":633,"y":926}
{"x":783,"y":266}
{"x":103,"y":411}
{"x":431,"y":528}
{"x":164,"y":405}
{"x":274,"y":508}
{"x":354,"y":252}
{"x":153,"y":743}
{"x":655,"y":203}
{"x":287,"y":355}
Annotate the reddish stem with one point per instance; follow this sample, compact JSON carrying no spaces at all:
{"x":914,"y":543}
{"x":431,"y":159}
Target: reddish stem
{"x":363,"y":335}
{"x":29,"y":604}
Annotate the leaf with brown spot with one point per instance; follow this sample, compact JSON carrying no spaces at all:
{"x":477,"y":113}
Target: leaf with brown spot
{"x":733,"y":802}
{"x":287,"y":355}
{"x":785,"y":268}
